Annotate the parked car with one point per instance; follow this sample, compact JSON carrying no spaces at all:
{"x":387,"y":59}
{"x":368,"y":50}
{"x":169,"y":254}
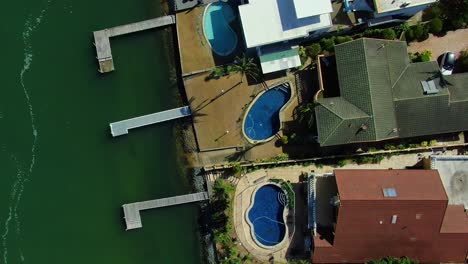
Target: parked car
{"x":447,"y":63}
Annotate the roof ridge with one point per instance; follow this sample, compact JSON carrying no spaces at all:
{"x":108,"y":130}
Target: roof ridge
{"x":370,"y":94}
{"x":344,"y":99}
{"x":333,"y":131}
{"x":329,"y":109}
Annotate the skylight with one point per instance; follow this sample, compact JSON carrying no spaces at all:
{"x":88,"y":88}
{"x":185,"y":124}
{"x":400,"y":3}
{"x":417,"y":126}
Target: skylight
{"x":389,"y":192}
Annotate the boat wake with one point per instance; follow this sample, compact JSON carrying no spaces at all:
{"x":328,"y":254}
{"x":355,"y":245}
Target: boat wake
{"x":22,"y":176}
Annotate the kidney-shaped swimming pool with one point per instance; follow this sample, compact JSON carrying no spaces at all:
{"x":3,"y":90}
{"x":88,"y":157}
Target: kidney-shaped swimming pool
{"x":262,"y":120}
{"x":266,"y":215}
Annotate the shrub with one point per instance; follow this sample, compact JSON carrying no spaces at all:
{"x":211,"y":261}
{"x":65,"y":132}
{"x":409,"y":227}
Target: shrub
{"x":425,"y":55}
{"x":463,"y":60}
{"x":418,"y":31}
{"x":302,"y":55}
{"x":327,"y":44}
{"x":388,"y":33}
{"x":457,"y":22}
{"x":372,"y":33}
{"x":236,"y":168}
{"x":435,"y":11}
{"x":389,"y":147}
{"x":424,"y":144}
{"x":342,"y":163}
{"x":364,"y":160}
{"x":413,"y":57}
{"x":313,"y":50}
{"x":401,"y":146}
{"x":342,"y":39}
{"x":436,"y":25}
{"x":433,"y":142}
{"x":372,"y":149}
{"x":284,"y":140}
{"x":378,"y":158}
{"x":409,"y":34}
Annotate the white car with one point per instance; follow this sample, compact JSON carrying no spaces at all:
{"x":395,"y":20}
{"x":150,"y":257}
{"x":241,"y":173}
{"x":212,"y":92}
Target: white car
{"x":447,"y":63}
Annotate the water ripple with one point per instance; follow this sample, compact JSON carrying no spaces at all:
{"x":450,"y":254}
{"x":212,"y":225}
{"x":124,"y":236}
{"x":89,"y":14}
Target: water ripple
{"x":17,"y":189}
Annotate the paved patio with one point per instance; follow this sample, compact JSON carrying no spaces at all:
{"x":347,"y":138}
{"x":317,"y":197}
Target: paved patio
{"x":455,"y":41}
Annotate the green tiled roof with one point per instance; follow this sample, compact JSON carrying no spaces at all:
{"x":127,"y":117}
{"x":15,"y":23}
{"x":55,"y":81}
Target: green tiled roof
{"x":457,"y":84}
{"x":382,"y":90}
{"x":279,"y":55}
{"x":340,"y":120}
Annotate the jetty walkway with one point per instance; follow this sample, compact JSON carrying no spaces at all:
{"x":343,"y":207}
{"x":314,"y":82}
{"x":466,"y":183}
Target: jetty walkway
{"x":102,"y":42}
{"x":132,"y":211}
{"x":121,"y":127}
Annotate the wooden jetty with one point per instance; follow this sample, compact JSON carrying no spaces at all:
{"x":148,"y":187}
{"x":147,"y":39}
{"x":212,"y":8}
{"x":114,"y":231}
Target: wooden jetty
{"x":102,"y":43}
{"x":132,"y":211}
{"x":121,"y":127}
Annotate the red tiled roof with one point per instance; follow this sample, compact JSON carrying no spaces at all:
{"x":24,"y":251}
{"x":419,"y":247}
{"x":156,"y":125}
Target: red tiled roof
{"x":408,"y":184}
{"x":455,"y":220}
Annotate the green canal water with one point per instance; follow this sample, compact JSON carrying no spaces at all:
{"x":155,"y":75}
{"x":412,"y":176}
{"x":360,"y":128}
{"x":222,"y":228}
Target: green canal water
{"x":63,"y":179}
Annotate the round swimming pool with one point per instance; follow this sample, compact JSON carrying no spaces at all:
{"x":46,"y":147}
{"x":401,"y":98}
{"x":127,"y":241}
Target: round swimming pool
{"x":218,"y":32}
{"x":262,"y":120}
{"x":266,"y":215}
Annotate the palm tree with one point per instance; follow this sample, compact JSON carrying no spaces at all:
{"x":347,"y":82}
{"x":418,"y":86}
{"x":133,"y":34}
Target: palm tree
{"x":306,"y":112}
{"x":245,"y":66}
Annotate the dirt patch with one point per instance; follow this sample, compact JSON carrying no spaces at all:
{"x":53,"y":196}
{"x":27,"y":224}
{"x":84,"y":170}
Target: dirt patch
{"x":195,"y":53}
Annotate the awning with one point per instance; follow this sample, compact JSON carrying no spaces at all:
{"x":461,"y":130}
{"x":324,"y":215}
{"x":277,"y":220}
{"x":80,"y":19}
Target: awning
{"x":279,"y":59}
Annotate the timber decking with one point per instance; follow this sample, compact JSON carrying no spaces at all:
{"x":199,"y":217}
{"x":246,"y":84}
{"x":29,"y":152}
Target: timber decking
{"x":121,"y":127}
{"x":102,"y":43}
{"x":132,"y":211}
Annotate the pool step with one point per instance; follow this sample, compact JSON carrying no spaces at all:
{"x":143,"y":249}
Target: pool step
{"x":284,"y":87}
{"x":282,"y":198}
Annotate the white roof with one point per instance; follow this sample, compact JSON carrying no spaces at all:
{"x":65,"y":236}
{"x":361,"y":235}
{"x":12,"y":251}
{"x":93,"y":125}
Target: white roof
{"x":383,"y":6}
{"x":270,"y":21}
{"x":306,"y":8}
{"x":281,"y":64}
{"x":453,"y":172}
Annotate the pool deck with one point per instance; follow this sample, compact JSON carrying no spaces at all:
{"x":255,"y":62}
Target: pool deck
{"x":195,"y":52}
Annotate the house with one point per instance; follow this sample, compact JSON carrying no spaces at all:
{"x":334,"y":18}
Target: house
{"x":378,"y":213}
{"x":271,"y":26}
{"x":377,"y":12}
{"x":382,"y":95}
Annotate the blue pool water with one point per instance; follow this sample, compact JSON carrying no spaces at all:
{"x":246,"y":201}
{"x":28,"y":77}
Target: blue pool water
{"x":266,"y":215}
{"x":218,"y":32}
{"x":262,"y":120}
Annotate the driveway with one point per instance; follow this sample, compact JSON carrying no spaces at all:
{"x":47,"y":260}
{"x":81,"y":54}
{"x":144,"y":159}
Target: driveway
{"x":455,"y":41}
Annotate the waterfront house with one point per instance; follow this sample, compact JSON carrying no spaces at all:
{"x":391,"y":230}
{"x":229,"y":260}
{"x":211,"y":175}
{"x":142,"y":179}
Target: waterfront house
{"x":370,"y":214}
{"x":382,"y":95}
{"x":272,"y":26}
{"x":378,"y":12}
